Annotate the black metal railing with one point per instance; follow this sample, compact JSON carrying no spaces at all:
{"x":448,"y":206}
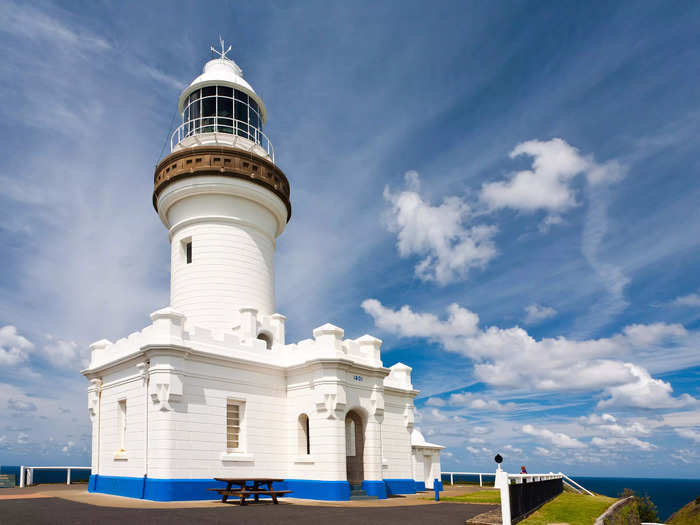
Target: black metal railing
{"x":527,"y":496}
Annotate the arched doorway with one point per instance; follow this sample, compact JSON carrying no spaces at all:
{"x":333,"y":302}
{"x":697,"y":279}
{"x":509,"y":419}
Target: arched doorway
{"x":354,"y":447}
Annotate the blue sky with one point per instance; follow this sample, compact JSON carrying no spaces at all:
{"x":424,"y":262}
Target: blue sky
{"x":505,"y":193}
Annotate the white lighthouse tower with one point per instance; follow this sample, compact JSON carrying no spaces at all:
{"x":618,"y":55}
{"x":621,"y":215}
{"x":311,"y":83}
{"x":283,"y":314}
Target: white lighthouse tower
{"x":223,"y":200}
{"x":211,"y":388}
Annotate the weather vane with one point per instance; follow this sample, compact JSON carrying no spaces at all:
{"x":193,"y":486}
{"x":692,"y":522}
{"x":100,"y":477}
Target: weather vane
{"x":222,"y":53}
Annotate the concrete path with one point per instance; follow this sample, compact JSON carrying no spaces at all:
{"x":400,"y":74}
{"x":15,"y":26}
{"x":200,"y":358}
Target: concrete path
{"x":60,"y":511}
{"x":59,"y":504}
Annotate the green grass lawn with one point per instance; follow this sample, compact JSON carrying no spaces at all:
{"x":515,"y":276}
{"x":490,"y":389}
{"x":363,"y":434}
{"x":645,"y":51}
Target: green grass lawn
{"x":574,"y":509}
{"x":483,"y":496}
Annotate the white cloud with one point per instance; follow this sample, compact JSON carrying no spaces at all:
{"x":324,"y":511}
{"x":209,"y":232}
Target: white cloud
{"x":469,"y":400}
{"x":514,"y":450}
{"x":512,"y":358}
{"x":442,"y":235}
{"x":644,"y":392}
{"x":558,"y":439}
{"x":436,"y":402}
{"x":595,"y":419}
{"x":65,"y":354}
{"x":27,"y":22}
{"x":618,"y":442}
{"x":478,"y":441}
{"x":692,"y":299}
{"x":405,"y":322}
{"x":609,"y":424}
{"x":543,"y":451}
{"x":548,"y":185}
{"x":22,"y":438}
{"x":537,"y":313}
{"x":20,"y":405}
{"x":687,"y":456}
{"x":689,"y":433}
{"x":14,"y":348}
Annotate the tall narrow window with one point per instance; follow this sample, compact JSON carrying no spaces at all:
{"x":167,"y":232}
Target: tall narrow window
{"x":234,"y":413}
{"x":304,"y":436}
{"x":121,"y":423}
{"x":188,"y":250}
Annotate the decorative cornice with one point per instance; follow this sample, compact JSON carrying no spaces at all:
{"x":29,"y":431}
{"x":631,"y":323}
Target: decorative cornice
{"x":224,"y":161}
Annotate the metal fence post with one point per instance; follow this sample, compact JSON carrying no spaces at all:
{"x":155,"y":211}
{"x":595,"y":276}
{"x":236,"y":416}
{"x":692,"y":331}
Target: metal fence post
{"x":68,"y":477}
{"x":452,"y":479}
{"x":481,"y":484}
{"x":21,"y":476}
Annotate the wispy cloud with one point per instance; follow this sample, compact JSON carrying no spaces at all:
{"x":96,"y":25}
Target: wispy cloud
{"x":537,"y":313}
{"x":692,"y":300}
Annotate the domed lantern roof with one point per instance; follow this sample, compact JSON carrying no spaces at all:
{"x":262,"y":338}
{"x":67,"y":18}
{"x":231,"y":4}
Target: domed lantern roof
{"x":222,"y":71}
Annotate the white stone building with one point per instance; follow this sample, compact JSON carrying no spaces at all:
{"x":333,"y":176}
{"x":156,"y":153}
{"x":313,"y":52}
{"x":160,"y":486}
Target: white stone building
{"x":211,"y":388}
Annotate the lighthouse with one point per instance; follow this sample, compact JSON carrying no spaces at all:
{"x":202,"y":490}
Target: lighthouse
{"x":223,"y":200}
{"x":211,"y":388}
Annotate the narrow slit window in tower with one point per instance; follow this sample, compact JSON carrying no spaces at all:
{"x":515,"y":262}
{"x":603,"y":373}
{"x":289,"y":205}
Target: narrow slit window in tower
{"x":188,"y":250}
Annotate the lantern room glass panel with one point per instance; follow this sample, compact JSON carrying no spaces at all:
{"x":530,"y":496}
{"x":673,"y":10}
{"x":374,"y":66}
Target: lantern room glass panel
{"x":222,"y":109}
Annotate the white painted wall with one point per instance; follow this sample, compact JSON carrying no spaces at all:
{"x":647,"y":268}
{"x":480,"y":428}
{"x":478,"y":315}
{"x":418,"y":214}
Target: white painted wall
{"x":188,"y":391}
{"x":396,"y":435}
{"x":232,"y":225}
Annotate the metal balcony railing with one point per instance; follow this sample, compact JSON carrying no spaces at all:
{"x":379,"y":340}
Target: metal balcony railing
{"x":224,"y":125}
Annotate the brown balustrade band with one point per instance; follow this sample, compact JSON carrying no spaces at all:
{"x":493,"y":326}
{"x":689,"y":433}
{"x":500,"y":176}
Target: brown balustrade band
{"x":224,"y":161}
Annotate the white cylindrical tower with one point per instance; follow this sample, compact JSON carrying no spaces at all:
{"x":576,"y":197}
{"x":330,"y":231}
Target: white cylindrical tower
{"x":223,"y":200}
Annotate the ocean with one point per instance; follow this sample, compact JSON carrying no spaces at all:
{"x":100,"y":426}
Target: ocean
{"x":669,"y":495}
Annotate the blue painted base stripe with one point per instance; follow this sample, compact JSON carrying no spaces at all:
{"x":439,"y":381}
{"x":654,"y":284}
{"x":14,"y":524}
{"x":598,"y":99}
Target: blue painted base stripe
{"x":375,"y":488}
{"x":196,"y":489}
{"x":317,"y":489}
{"x":400,"y":486}
{"x":420,"y":486}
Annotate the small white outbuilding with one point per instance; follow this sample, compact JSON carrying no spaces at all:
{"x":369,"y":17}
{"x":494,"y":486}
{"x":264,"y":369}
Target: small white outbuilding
{"x":212,"y":388}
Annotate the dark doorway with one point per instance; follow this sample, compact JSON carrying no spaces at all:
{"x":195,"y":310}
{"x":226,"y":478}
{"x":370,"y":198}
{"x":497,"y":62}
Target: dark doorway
{"x":354,"y":447}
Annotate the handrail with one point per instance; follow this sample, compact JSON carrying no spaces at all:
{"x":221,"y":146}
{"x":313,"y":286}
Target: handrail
{"x":224,"y":125}
{"x":567,"y":478}
{"x":30,"y":473}
{"x":480,"y":474}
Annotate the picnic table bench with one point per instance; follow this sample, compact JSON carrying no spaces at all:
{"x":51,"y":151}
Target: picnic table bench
{"x":243,"y":489}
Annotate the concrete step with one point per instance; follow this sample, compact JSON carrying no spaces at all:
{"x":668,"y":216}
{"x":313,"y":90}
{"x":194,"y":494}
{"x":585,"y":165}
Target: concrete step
{"x":358,"y":493}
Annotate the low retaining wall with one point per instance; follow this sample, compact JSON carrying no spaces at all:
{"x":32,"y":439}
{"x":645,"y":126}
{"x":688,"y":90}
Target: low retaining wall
{"x":623,"y":512}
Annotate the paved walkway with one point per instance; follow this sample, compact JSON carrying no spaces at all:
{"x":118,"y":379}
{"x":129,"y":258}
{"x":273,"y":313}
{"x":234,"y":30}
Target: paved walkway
{"x":58,"y":504}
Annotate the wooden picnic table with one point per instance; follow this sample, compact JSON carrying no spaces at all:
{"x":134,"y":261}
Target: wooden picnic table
{"x":243,"y":488}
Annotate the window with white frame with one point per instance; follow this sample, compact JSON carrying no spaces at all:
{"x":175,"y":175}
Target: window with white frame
{"x":234,"y":424}
{"x":121,"y":423}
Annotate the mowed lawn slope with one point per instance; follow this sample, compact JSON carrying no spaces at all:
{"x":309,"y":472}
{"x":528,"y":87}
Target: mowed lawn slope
{"x":482,"y":496}
{"x":574,"y":509}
